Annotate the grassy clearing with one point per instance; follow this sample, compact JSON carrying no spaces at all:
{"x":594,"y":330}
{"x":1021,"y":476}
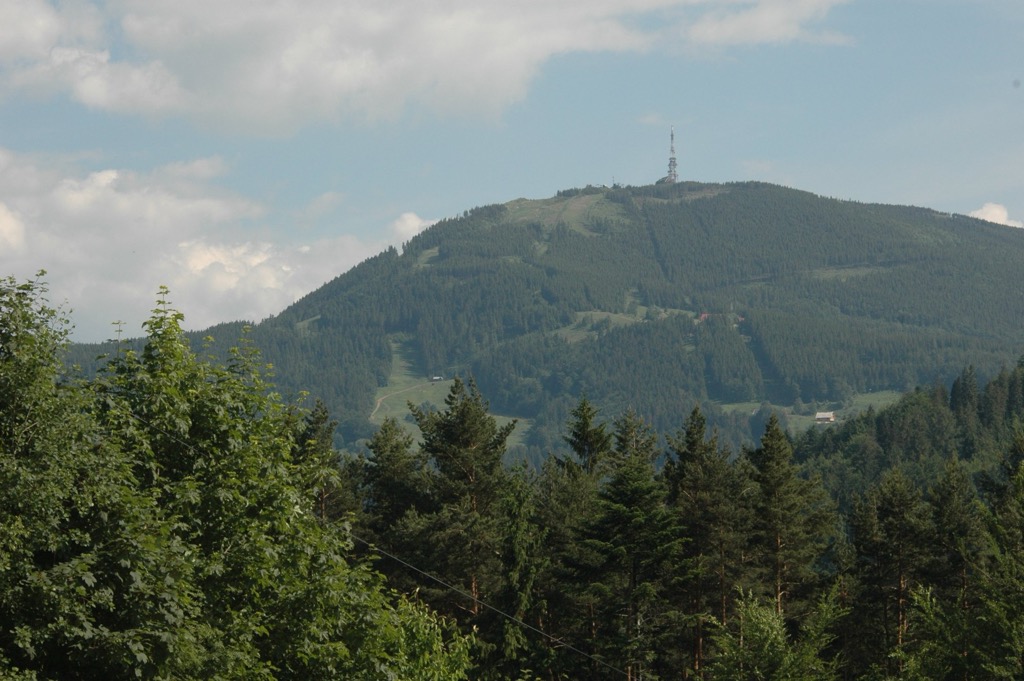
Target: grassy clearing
{"x":801,"y":422}
{"x":302,"y":328}
{"x":574,"y":211}
{"x":407,"y":383}
{"x":426,"y":256}
{"x":844,"y":273}
{"x":589,"y":322}
{"x":882,"y":398}
{"x":747,"y":408}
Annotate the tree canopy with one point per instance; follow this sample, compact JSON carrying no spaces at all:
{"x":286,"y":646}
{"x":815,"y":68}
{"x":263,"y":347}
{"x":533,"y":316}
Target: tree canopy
{"x":159,"y":522}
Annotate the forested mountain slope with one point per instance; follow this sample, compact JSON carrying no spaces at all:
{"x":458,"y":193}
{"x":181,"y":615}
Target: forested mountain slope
{"x":657,"y":298}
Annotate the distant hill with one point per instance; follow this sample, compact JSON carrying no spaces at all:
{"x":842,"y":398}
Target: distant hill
{"x":741,"y":297}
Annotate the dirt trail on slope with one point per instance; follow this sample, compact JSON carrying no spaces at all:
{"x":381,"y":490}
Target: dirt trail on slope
{"x":380,"y":400}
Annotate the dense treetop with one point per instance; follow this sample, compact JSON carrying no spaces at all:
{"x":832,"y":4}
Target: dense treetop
{"x":162,"y":521}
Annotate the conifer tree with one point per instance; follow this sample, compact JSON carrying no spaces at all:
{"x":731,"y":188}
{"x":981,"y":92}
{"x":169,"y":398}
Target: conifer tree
{"x":517,"y":650}
{"x":589,"y":441}
{"x":460,"y":537}
{"x":959,"y":539}
{"x":891,"y":529}
{"x":566,"y":501}
{"x":707,"y":494}
{"x":335,"y":493}
{"x":759,"y":644}
{"x":631,"y":540}
{"x":793,"y":520}
{"x":979,"y":632}
{"x":395,"y":479}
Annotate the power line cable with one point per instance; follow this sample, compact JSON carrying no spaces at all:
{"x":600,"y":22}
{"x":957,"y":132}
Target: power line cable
{"x":426,"y":574}
{"x":490,"y":607}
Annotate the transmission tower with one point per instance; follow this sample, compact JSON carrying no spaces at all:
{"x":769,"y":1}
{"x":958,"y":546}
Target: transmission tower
{"x":672,"y":176}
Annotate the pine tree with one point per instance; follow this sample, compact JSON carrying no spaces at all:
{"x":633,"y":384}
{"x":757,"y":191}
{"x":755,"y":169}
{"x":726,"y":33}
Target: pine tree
{"x":630,"y":542}
{"x":460,"y":537}
{"x":793,"y":520}
{"x":589,"y":441}
{"x":891,"y":528}
{"x":706,"y":493}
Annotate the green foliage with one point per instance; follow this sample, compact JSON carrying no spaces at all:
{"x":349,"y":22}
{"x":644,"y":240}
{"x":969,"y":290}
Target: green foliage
{"x":649,"y":300}
{"x":975,"y":632}
{"x":758,"y":646}
{"x":395,"y":480}
{"x":891,"y":532}
{"x":164,"y":521}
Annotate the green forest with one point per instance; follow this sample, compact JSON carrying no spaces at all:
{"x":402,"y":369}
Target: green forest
{"x":733,"y":296}
{"x":172,"y":516}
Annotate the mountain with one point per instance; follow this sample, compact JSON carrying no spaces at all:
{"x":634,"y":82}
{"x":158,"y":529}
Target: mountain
{"x":735,"y":296}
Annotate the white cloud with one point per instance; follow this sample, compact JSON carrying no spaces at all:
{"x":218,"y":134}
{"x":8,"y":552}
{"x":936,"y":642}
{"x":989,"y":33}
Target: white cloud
{"x":12,"y":231}
{"x":274,"y":65}
{"x":110,"y":238}
{"x":98,"y":83}
{"x":994,"y":212}
{"x":409,"y":225}
{"x":30,"y":29}
{"x":197,"y":169}
{"x":751,"y":22}
{"x":319,"y":208}
{"x":27,"y":29}
{"x":253,"y":280}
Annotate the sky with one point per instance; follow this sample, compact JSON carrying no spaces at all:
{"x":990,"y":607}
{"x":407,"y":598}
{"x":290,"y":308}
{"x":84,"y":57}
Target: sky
{"x":244,"y":152}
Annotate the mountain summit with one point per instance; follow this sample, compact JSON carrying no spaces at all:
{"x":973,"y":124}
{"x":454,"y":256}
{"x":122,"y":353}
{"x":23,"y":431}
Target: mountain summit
{"x":659,"y":297}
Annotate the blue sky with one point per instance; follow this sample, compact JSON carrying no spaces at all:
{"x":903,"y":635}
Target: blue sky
{"x":243,"y":153}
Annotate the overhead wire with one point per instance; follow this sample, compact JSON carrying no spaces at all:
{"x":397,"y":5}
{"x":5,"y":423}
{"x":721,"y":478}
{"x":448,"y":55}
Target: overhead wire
{"x":377,"y":549}
{"x":478,"y":601}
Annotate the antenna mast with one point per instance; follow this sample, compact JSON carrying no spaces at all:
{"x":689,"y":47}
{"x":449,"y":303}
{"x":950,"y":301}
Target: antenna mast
{"x":672,"y":176}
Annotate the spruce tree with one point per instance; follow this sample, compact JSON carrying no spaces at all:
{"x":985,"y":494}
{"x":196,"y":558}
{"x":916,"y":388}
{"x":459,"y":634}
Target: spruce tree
{"x":979,"y":632}
{"x":891,"y":530}
{"x":395,"y":479}
{"x":959,"y":537}
{"x":705,"y":491}
{"x":630,"y":542}
{"x":793,"y":521}
{"x":760,"y":644}
{"x":589,"y":441}
{"x":566,"y":502}
{"x":458,"y":538}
